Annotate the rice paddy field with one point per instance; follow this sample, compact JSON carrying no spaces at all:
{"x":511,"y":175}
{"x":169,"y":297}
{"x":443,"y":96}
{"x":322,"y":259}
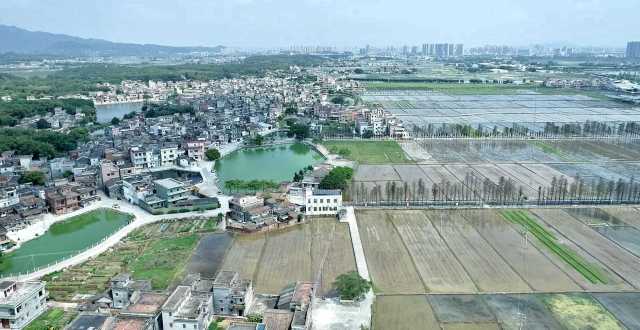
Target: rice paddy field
{"x":529,"y":164}
{"x":495,"y":106}
{"x":492,"y":251}
{"x":502,"y":269}
{"x":319,"y":250}
{"x":507,"y":311}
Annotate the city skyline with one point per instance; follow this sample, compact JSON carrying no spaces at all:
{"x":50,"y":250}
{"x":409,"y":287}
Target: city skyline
{"x":273,"y":24}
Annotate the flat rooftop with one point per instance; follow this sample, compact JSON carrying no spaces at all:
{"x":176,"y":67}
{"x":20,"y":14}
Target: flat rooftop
{"x":130,"y":323}
{"x":86,"y":321}
{"x":169,"y":183}
{"x":176,"y":298}
{"x":23,"y":291}
{"x":149,"y":303}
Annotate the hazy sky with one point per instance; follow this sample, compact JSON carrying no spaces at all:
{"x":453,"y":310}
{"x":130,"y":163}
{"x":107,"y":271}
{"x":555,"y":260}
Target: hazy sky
{"x":266,"y":23}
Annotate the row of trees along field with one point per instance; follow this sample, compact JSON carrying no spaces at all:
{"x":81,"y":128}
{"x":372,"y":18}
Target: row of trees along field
{"x":506,"y":191}
{"x":550,"y":130}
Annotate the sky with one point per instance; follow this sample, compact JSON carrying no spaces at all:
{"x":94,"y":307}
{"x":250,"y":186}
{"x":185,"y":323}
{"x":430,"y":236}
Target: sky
{"x":342,"y":23}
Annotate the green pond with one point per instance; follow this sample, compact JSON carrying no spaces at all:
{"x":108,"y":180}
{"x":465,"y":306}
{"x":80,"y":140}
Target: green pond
{"x":275,"y":163}
{"x":62,"y":240}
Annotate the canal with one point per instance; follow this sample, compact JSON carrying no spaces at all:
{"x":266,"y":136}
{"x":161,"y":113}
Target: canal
{"x":62,"y":240}
{"x":274,"y":163}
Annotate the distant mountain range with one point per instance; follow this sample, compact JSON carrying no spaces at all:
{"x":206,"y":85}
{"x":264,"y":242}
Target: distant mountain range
{"x":21,"y":41}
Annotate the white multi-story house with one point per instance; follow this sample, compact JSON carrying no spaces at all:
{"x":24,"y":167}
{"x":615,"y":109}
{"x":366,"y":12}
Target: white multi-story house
{"x":169,"y":155}
{"x":8,"y":197}
{"x":322,"y":201}
{"x":21,"y":303}
{"x":187,"y":309}
{"x":144,"y":158}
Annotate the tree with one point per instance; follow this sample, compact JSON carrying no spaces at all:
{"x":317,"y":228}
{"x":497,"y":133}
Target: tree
{"x":258,"y":140}
{"x":42,"y":124}
{"x":255,"y":318}
{"x":115,"y":121}
{"x":35,"y":177}
{"x":212,"y":154}
{"x":337,"y":178}
{"x":351,"y":286}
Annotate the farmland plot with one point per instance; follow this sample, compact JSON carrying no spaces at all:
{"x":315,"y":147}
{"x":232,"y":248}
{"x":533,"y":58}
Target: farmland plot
{"x":610,"y":227}
{"x":376,"y":173}
{"x":488,"y":270}
{"x":579,"y":311}
{"x":391,"y":267}
{"x":339,"y":257}
{"x":437,"y":265}
{"x":521,"y":312}
{"x":209,"y":253}
{"x":277,"y":269}
{"x":525,"y":175}
{"x":530,"y":264}
{"x":412,"y":173}
{"x":493,"y":173}
{"x":581,"y":266}
{"x":547,"y":172}
{"x":461,"y":309}
{"x":622,"y":262}
{"x":244,"y":255}
{"x":624,"y":306}
{"x":630,"y":216}
{"x":438,"y":174}
{"x":403,"y":313}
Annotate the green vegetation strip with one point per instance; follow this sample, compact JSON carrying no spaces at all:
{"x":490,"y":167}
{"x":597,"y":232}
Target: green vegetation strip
{"x":369,"y":152}
{"x":162,"y":261}
{"x":54,"y":318}
{"x":590,"y":272}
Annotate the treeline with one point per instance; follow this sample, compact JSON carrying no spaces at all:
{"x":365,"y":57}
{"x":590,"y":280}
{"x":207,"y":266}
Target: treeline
{"x":83,"y":79}
{"x":153,"y":110}
{"x":475,"y":190}
{"x":519,"y":130}
{"x":41,"y":143}
{"x":13,"y":111}
{"x":250,"y":185}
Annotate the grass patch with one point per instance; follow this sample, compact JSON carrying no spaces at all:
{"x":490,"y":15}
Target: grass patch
{"x":53,"y":319}
{"x":578,"y":311}
{"x":369,"y":152}
{"x":163,"y":260}
{"x":591,"y":272}
{"x":551,"y":150}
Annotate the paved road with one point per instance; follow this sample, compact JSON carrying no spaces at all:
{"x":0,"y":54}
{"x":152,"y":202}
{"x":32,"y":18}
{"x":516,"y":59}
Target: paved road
{"x":329,"y":314}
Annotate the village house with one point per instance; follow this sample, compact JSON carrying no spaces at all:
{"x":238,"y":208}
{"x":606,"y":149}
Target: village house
{"x":21,"y":303}
{"x":187,"y":309}
{"x":231,"y":294}
{"x":123,"y":287}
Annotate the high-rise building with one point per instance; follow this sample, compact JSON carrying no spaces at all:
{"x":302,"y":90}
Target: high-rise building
{"x":633,"y":49}
{"x":425,"y":49}
{"x":459,"y":50}
{"x":451,"y":50}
